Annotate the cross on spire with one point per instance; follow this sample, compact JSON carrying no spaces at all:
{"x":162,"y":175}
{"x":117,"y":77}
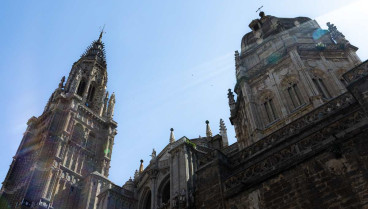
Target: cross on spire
{"x":259,"y":9}
{"x":101,"y":33}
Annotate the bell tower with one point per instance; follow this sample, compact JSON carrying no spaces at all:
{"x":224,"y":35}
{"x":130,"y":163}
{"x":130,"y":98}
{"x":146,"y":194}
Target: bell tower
{"x":64,"y":156}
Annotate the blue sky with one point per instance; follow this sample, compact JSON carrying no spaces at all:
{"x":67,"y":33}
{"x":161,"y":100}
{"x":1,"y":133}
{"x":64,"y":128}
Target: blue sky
{"x":170,"y":63}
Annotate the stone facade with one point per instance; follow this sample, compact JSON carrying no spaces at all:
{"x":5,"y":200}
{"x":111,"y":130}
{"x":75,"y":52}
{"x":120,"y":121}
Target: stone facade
{"x":300,"y":117}
{"x":64,"y":157}
{"x":301,"y":124}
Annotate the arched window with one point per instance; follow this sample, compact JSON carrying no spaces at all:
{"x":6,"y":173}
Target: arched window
{"x":90,"y":95}
{"x":78,"y":134}
{"x":321,"y":87}
{"x":270,"y":110}
{"x":91,"y":142}
{"x":163,"y":192}
{"x":267,"y":104}
{"x":147,"y":200}
{"x":81,"y":87}
{"x":294,"y":94}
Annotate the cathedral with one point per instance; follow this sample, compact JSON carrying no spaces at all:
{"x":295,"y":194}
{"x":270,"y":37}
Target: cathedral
{"x":300,"y":114}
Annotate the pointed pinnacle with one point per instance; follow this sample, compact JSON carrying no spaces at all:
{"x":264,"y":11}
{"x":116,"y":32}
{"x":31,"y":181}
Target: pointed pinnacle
{"x":101,"y":33}
{"x":172,"y":137}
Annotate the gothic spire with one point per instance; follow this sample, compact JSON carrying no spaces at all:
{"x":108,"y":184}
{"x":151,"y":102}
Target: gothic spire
{"x":96,"y":51}
{"x":223,"y":133}
{"x":172,"y":137}
{"x":102,"y":31}
{"x":208,"y":129}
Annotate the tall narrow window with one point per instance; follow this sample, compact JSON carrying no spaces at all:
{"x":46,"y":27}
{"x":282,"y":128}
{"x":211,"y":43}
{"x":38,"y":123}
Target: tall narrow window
{"x":270,"y":110}
{"x":295,"y":95}
{"x":343,"y":81}
{"x":91,"y":93}
{"x":81,"y":88}
{"x":318,"y":82}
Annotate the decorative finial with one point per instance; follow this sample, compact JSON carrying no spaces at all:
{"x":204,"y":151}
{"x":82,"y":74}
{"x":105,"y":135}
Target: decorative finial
{"x":237,"y":58}
{"x":107,"y":96}
{"x":336,"y":35}
{"x":112,"y":97}
{"x":223,"y":133}
{"x":230,"y":95}
{"x":208,"y":129}
{"x":136,"y":174}
{"x":141,"y":167}
{"x":172,"y":137}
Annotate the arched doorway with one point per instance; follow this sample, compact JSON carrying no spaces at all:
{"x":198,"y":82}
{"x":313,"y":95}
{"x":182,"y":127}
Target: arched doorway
{"x":147,"y":200}
{"x":163,"y":194}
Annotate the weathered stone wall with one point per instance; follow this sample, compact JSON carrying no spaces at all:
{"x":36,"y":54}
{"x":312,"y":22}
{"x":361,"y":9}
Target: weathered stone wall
{"x":324,"y":181}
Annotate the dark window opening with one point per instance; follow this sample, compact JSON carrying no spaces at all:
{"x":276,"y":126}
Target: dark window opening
{"x":81,"y":88}
{"x":344,"y":82}
{"x":270,"y":110}
{"x":166,"y":193}
{"x":295,"y":96}
{"x":147,"y":204}
{"x":321,"y":88}
{"x":91,"y":93}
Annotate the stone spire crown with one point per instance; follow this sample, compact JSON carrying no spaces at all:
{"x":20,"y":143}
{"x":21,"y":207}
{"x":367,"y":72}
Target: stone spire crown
{"x":88,"y":77}
{"x":96,"y":51}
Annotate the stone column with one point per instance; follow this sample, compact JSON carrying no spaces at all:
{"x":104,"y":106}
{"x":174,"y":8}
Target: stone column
{"x":153,"y":175}
{"x":252,"y":111}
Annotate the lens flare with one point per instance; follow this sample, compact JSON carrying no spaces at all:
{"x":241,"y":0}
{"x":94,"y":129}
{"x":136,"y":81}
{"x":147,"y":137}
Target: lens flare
{"x":317,"y":34}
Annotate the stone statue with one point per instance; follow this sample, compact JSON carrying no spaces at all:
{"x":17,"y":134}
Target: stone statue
{"x":153,"y":154}
{"x":61,"y":84}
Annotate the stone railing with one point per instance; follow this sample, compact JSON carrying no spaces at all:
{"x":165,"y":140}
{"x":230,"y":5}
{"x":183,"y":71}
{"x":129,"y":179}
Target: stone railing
{"x":356,"y":73}
{"x":203,"y":148}
{"x":323,"y":47}
{"x":229,"y":149}
{"x":301,"y":139}
{"x":295,"y":127}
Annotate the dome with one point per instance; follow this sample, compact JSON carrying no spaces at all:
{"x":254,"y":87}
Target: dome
{"x":268,"y":26}
{"x":129,"y":185}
